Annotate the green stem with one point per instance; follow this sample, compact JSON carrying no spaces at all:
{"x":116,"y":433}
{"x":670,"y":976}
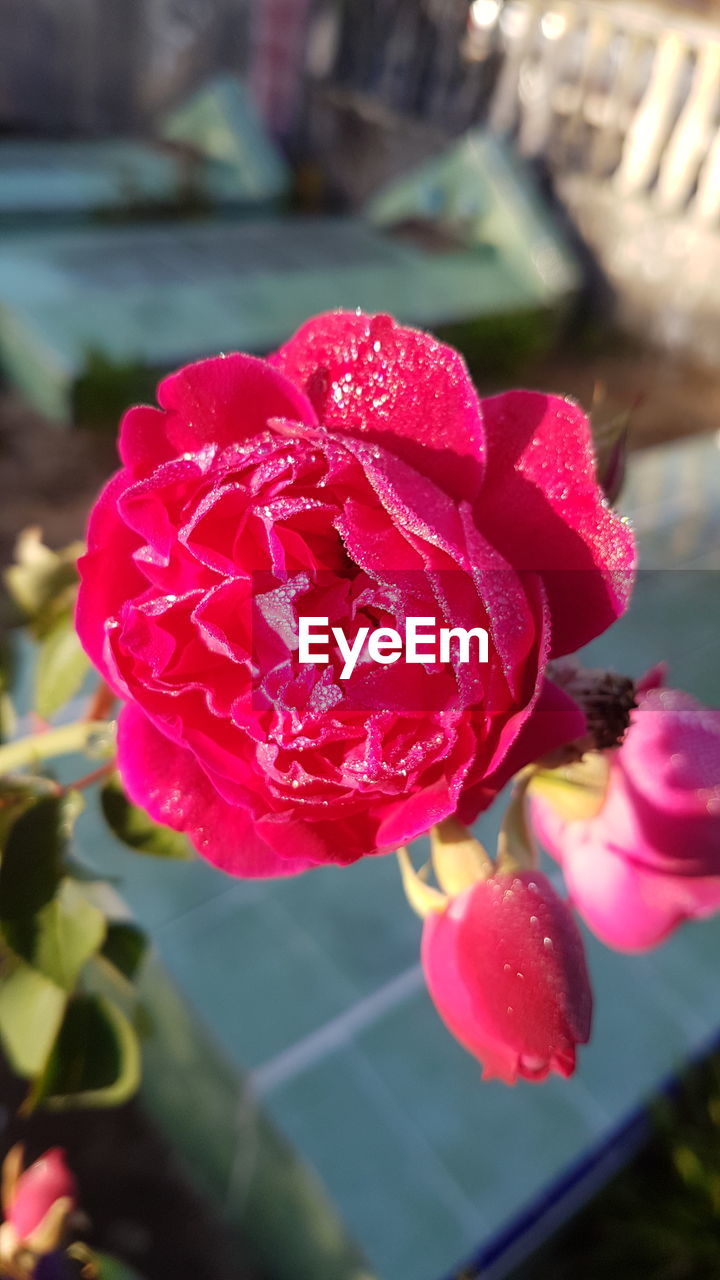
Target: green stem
{"x":63,"y":741}
{"x":516,"y":848}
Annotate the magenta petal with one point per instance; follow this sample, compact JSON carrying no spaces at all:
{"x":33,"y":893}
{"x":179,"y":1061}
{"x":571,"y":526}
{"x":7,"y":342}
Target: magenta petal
{"x":108,"y":573}
{"x":166,"y":780}
{"x":143,"y":442}
{"x":221,"y":401}
{"x":453,"y":1000}
{"x":555,"y":719}
{"x":650,"y":858}
{"x":226,"y":400}
{"x":671,"y":766}
{"x":542,"y":507}
{"x":368,"y":376}
{"x":629,"y":907}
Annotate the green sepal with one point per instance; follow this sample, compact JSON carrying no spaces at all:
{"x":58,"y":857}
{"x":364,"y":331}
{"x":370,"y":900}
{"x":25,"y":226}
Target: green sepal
{"x":422,"y":897}
{"x":576,"y":791}
{"x":459,"y":860}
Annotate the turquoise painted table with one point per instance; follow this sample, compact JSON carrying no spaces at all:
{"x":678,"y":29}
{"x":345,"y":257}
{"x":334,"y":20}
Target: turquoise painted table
{"x":312,"y":986}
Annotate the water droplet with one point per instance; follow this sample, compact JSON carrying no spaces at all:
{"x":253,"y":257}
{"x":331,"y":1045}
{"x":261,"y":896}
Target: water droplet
{"x":548,"y":944}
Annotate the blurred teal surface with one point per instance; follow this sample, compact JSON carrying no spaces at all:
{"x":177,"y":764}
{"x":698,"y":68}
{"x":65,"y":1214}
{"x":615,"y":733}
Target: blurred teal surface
{"x":149,"y":296}
{"x":212,"y":151}
{"x":221,"y":123}
{"x":314,"y":983}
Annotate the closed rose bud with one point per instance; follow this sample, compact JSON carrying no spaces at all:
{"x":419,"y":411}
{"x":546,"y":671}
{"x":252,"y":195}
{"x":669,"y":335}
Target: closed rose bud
{"x":505,"y":966}
{"x":36,"y":1203}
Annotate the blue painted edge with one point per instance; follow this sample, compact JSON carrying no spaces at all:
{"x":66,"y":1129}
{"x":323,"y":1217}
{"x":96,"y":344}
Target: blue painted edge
{"x":553,"y":1208}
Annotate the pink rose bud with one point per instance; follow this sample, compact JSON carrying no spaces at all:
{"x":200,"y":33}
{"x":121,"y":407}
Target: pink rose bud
{"x":37,"y":1190}
{"x":506,"y":969}
{"x":650,"y":858}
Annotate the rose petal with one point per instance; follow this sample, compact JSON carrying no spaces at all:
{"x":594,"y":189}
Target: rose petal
{"x":452,"y":999}
{"x":628,"y":906}
{"x":220,"y":401}
{"x":167,"y":781}
{"x":108,"y":574}
{"x":368,"y":376}
{"x":541,"y":506}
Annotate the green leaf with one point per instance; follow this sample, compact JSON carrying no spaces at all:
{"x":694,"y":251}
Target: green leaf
{"x":61,"y":937}
{"x":133,"y":826}
{"x":8,"y":719}
{"x":95,"y":1061}
{"x":31,"y":867}
{"x":16,"y":797}
{"x":61,"y":668}
{"x":42,"y":582}
{"x":113,"y":1269}
{"x":125,"y":947}
{"x":31,"y":1011}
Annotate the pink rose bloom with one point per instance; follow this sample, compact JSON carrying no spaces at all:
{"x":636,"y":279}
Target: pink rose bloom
{"x":651,"y":857}
{"x":506,"y":970}
{"x":46,"y":1183}
{"x":353,"y":475}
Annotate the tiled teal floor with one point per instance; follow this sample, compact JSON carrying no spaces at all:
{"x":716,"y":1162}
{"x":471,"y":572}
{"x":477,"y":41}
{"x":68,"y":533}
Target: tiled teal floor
{"x":314,"y":985}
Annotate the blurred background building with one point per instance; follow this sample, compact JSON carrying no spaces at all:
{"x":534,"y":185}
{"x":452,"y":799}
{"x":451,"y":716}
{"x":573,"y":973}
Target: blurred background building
{"x":619,"y":101}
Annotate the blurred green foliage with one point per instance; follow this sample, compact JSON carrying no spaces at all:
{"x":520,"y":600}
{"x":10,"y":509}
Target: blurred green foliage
{"x":69,"y":1014}
{"x":499,"y":346}
{"x":660,"y":1218}
{"x":108,"y":386}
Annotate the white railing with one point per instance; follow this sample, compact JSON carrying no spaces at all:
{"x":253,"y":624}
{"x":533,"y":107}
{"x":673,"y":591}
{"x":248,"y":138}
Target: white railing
{"x":626,"y":92}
